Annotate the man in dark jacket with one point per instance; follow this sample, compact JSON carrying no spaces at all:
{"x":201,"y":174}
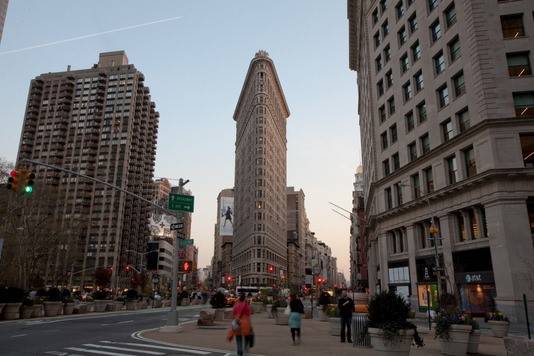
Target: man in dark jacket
{"x":346,"y":307}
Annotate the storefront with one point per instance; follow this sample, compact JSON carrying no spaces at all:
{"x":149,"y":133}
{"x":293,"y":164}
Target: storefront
{"x":475,"y":281}
{"x":427,"y":289}
{"x":399,"y":279}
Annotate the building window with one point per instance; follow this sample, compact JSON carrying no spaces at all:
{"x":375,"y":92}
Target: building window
{"x":412,"y":23}
{"x":389,"y":202}
{"x":459,"y":84}
{"x":382,"y":6}
{"x":393,"y":133}
{"x":452,"y":169}
{"x":385,"y":168}
{"x":396,"y":161}
{"x":432,"y":4}
{"x":524,"y":103}
{"x":375,"y":16}
{"x":527,"y":148}
{"x":447,"y":130}
{"x":439,"y":62}
{"x":387,"y":53}
{"x":469,"y":161}
{"x":382,"y":113}
{"x":389,"y":79}
{"x":421,"y":112}
{"x":391,"y":105}
{"x":410,"y":122}
{"x":407,"y":91}
{"x":416,"y":187}
{"x":376,"y":39}
{"x":429,"y":180}
{"x":399,"y":9}
{"x":512,"y":26}
{"x":462,"y":232}
{"x":380,"y":88}
{"x":412,"y":152}
{"x":404,"y":63}
{"x":385,"y":29}
{"x":443,"y":96}
{"x":419,"y":83}
{"x":518,"y":64}
{"x":416,"y":51}
{"x":450,"y":16}
{"x":378,"y":63}
{"x":403,"y":35}
{"x":464,"y":122}
{"x":425,"y":143}
{"x":398,"y":193}
{"x":435,"y":31}
{"x":384,"y":140}
{"x":455,"y":51}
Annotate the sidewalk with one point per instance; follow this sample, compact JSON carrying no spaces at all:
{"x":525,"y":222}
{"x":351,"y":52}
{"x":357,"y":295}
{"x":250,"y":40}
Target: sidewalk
{"x":316,"y":340}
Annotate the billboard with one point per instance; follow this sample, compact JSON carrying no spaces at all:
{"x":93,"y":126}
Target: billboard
{"x":226,"y":216}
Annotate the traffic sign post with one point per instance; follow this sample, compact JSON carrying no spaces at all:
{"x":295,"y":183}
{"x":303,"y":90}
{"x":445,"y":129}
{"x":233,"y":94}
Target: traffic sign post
{"x":184,"y":243}
{"x":181,"y":202}
{"x":177,"y":226}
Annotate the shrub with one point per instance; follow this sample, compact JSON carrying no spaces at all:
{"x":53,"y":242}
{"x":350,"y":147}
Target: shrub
{"x":280,"y":303}
{"x":389,"y":312}
{"x":445,"y":318}
{"x":218,"y":300}
{"x":132,"y":294}
{"x":54,"y":295}
{"x":68,"y":300}
{"x":100,"y":295}
{"x":332,"y":311}
{"x":27,"y":302}
{"x":496,"y":316}
{"x":12,"y":295}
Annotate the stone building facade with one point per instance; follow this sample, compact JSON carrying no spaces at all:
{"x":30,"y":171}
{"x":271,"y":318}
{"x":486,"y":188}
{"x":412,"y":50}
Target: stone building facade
{"x":358,"y":245}
{"x":100,"y":122}
{"x":296,"y":232}
{"x":447,"y":125}
{"x":260,"y":233}
{"x":3,"y":13}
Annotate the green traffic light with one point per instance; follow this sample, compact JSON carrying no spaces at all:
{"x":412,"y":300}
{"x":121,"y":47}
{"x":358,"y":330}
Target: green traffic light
{"x":29,"y":189}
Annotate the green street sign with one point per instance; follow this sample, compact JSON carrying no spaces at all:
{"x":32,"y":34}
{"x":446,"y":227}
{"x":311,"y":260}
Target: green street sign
{"x":181,"y":202}
{"x":184,"y":243}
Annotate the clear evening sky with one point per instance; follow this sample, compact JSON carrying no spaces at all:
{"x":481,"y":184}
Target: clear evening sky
{"x":195,"y":67}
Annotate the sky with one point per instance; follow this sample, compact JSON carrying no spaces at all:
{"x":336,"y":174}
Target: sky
{"x":195,"y":66}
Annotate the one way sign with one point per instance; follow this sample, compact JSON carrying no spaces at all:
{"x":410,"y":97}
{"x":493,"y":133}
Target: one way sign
{"x":177,"y":226}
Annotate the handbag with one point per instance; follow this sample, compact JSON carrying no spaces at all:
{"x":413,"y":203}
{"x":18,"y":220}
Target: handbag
{"x":236,"y":325}
{"x":287,"y":310}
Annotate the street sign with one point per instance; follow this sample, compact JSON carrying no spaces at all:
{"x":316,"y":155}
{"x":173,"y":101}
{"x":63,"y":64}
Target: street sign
{"x":184,"y":243}
{"x":177,"y":226}
{"x":180,"y":236}
{"x":181,"y":202}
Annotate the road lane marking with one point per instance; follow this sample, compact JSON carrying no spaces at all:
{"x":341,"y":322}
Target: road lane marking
{"x":123,"y":349}
{"x":117,"y":323}
{"x":19,"y":335}
{"x":157,"y":347}
{"x":97,"y":352}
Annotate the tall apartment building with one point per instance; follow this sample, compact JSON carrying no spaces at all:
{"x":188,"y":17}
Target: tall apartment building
{"x":161,"y":190}
{"x":358,"y":250}
{"x":260,"y":234}
{"x":296,"y":232}
{"x":446,"y":116}
{"x":100,"y":122}
{"x":223,"y":239}
{"x":3,"y":12}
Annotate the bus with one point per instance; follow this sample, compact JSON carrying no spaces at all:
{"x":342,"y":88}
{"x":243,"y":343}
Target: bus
{"x":247,"y":289}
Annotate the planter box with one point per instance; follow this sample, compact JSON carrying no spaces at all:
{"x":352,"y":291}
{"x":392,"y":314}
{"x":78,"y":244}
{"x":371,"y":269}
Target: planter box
{"x":219,"y":314}
{"x":2,"y":308}
{"x":68,"y":308}
{"x":458,"y":340}
{"x":335,"y":326}
{"x":474,"y":341}
{"x":322,"y":314}
{"x":399,"y":346}
{"x":308,"y":313}
{"x":117,"y":306}
{"x":52,"y":308}
{"x":228,"y":314}
{"x":257,"y":307}
{"x":90,"y":307}
{"x":269,"y":309}
{"x":519,"y":345}
{"x":12,"y":311}
{"x":38,"y":311}
{"x":131,"y":305}
{"x":26,"y":311}
{"x":281,"y":318}
{"x":499,"y":328}
{"x":100,"y":305}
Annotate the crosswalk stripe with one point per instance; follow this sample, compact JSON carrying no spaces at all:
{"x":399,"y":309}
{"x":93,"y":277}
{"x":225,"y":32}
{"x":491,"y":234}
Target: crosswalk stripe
{"x":124,"y":349}
{"x":159,"y":347}
{"x":97,"y":352}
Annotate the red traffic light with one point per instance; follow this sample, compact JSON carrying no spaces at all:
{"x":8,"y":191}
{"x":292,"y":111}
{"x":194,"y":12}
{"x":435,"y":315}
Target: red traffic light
{"x":13,"y":173}
{"x":127,"y":268}
{"x":270,"y":269}
{"x":229,"y":278}
{"x":186,"y":266}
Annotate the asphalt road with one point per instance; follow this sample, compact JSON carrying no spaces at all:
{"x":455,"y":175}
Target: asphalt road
{"x":87,"y":334}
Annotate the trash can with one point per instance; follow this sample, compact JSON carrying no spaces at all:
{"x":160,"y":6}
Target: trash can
{"x":360,"y":336}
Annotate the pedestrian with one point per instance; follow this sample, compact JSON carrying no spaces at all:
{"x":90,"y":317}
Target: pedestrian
{"x":296,"y":309}
{"x":346,"y":307}
{"x":241,"y":326}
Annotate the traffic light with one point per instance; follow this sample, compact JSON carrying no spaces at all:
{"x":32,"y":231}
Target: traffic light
{"x":29,"y":176}
{"x":228,"y":279}
{"x":186,"y":266}
{"x":270,"y":268}
{"x":13,"y":181}
{"x":127,"y":268}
